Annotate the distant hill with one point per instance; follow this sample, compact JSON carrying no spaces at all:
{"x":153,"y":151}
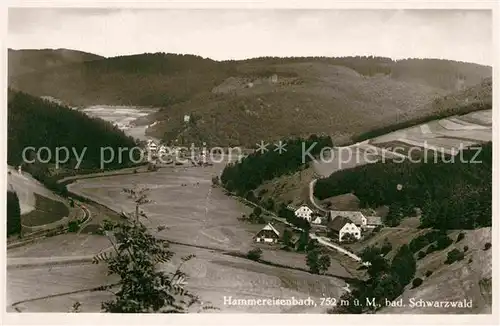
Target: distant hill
{"x":444,"y":74}
{"x":242,"y":102}
{"x":144,"y":80}
{"x":308,"y":98}
{"x":29,"y":61}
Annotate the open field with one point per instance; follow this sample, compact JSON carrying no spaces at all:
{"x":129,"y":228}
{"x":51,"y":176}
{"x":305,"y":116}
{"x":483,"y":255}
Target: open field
{"x":196,"y":214}
{"x":36,"y":282}
{"x":26,"y":186}
{"x":212,"y":275}
{"x":445,"y":134}
{"x":47,"y":211}
{"x":297,"y":260}
{"x":122,"y":116}
{"x":482,"y":118}
{"x":291,"y":189}
{"x":343,"y":158}
{"x":456,"y":124}
{"x":62,"y":245}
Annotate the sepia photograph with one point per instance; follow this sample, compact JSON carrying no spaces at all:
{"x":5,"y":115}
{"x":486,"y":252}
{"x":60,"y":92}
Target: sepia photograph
{"x":238,"y":160}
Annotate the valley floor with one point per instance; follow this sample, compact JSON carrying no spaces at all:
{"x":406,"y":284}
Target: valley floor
{"x":197,"y":215}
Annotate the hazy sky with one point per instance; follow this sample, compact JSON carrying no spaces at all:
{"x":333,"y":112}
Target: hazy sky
{"x":464,"y":35}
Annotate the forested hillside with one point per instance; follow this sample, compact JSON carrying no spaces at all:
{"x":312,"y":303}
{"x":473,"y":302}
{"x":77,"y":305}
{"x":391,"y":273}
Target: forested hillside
{"x":144,"y":80}
{"x":29,"y":61}
{"x":444,"y":74}
{"x":243,"y":102}
{"x":253,"y":170}
{"x":451,"y":194}
{"x":39,"y":123}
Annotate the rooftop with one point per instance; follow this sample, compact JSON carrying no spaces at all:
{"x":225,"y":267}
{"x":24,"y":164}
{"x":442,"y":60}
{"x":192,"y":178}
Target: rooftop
{"x":338,"y":223}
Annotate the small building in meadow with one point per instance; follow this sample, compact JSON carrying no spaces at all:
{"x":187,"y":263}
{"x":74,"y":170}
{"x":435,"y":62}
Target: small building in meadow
{"x":268,"y":234}
{"x":316,"y":219}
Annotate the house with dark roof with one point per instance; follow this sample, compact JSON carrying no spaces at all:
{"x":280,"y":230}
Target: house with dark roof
{"x":341,"y":227}
{"x":373,"y":221}
{"x":355,"y":216}
{"x":268,"y":234}
{"x":358,"y":218}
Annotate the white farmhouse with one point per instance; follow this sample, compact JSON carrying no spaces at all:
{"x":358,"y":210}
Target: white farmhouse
{"x":341,"y":226}
{"x":304,"y":212}
{"x":162,"y":150}
{"x":152,"y":147}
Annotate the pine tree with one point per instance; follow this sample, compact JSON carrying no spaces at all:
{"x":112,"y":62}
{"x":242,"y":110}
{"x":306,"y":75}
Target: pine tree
{"x":13,"y":213}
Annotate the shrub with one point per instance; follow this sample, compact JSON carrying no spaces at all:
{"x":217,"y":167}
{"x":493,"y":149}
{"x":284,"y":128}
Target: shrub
{"x":421,"y":254}
{"x":466,"y":248}
{"x":460,"y":236}
{"x":443,"y":242}
{"x":428,"y":273}
{"x":152,"y":167}
{"x":51,"y":233}
{"x":453,"y":256}
{"x":403,"y":265}
{"x":416,"y":282}
{"x":263,"y":192}
{"x":73,"y":226}
{"x":99,"y":232}
{"x":487,"y":246}
{"x":254,"y":254}
{"x":317,"y":262}
{"x":386,"y":247}
{"x":431,"y":249}
{"x":470,"y":260}
{"x":348,"y":238}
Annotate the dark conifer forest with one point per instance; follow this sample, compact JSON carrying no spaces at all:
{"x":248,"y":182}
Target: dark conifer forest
{"x":13,"y":213}
{"x":258,"y":167}
{"x":454,"y":195}
{"x":39,"y":123}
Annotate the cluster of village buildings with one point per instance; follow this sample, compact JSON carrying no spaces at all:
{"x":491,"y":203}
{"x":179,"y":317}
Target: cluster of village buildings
{"x":156,"y":148}
{"x":342,"y":226}
{"x":198,"y":157}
